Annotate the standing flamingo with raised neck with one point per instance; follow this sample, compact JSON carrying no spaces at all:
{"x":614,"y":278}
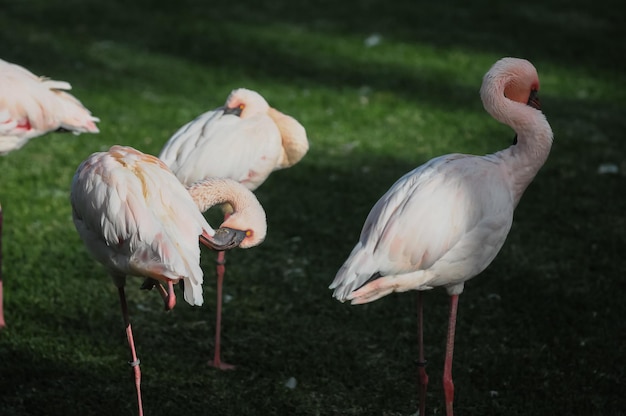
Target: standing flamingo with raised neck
{"x":32,"y":106}
{"x":137,"y":219}
{"x":244,"y":140}
{"x":444,"y":222}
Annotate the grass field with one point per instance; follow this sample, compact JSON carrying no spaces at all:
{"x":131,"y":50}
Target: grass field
{"x":381,"y":87}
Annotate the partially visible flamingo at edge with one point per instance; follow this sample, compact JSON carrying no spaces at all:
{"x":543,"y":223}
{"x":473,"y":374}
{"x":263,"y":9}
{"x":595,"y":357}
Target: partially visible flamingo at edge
{"x":32,"y":106}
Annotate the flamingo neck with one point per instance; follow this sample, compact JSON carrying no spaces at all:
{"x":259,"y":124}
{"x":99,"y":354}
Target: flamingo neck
{"x":215,"y":191}
{"x":534,"y":141}
{"x":246,"y":212}
{"x":522,"y":160}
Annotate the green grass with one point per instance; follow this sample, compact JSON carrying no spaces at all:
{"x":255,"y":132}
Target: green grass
{"x":540,"y":332}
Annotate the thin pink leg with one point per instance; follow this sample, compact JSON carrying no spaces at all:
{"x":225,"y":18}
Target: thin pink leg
{"x":217,"y":360}
{"x":221,"y":270}
{"x":2,"y":322}
{"x":423,"y":377}
{"x":131,"y":343}
{"x":169,"y":297}
{"x":448,"y":385}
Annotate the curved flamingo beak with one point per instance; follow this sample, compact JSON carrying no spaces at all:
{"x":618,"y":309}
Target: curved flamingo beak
{"x":223,"y":239}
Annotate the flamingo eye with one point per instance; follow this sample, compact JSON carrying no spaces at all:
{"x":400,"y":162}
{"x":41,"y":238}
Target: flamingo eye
{"x":242,"y":106}
{"x":249,"y":233}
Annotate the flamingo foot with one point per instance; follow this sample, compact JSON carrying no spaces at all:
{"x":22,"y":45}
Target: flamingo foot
{"x":169,"y":297}
{"x":220,"y":365}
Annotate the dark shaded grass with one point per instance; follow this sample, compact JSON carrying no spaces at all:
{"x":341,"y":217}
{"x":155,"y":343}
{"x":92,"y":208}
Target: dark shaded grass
{"x":540,"y":331}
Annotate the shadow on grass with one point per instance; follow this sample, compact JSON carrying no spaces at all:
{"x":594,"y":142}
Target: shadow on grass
{"x":294,"y":45}
{"x":33,"y":385}
{"x":281,"y":322}
{"x":572,"y":34}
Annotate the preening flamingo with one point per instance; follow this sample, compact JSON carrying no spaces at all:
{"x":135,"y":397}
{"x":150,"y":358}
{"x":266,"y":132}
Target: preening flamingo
{"x":244,"y":140}
{"x":137,"y":219}
{"x":31,"y":106}
{"x":444,"y":222}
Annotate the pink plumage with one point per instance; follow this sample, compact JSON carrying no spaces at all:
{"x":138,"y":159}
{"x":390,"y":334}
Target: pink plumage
{"x":444,"y":222}
{"x":31,"y":106}
{"x":137,"y":219}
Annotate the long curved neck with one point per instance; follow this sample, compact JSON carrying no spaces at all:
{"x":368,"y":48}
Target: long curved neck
{"x":215,"y":191}
{"x":293,"y":136}
{"x":534,"y":140}
{"x":246,"y":213}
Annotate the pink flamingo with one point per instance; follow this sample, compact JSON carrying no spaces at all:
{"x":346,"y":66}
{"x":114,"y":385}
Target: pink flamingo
{"x":444,"y":222}
{"x":137,"y":219}
{"x":244,"y":140}
{"x":31,"y":106}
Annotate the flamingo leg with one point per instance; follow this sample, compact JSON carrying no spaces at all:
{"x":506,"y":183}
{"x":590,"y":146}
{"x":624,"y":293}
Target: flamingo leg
{"x":217,"y":360}
{"x":170,"y":300}
{"x":2,"y":322}
{"x":220,"y":270}
{"x":131,"y":343}
{"x":423,"y":377}
{"x":169,"y":297}
{"x":448,"y":385}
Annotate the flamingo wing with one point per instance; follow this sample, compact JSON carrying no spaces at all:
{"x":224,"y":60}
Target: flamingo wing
{"x":136,"y":218}
{"x":187,"y":138}
{"x":6,"y":122}
{"x":225,"y":146}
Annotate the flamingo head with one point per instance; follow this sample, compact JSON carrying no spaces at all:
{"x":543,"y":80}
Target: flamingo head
{"x":250,"y":228}
{"x":245,"y":103}
{"x":224,"y":239}
{"x":522,"y":81}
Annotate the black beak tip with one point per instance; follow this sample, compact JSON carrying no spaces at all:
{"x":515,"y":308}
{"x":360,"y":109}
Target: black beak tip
{"x":225,"y":239}
{"x":533,"y":100}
